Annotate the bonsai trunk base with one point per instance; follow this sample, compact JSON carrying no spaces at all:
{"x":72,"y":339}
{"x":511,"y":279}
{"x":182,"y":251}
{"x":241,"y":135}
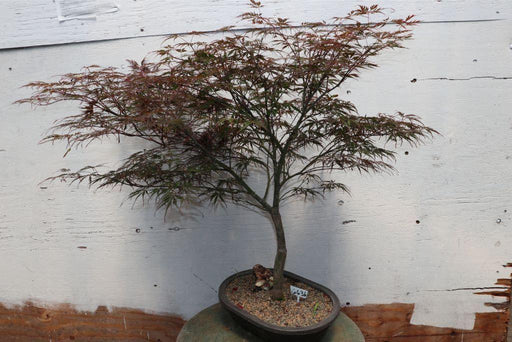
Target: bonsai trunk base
{"x":276,"y":293}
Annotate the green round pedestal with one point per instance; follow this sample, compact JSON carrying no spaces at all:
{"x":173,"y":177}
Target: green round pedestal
{"x":216,"y":324}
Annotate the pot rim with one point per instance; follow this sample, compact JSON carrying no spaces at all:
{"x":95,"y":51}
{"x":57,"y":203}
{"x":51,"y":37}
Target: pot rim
{"x":323,"y":324}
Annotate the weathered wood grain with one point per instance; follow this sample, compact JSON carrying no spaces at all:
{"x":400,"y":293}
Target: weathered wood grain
{"x":32,"y":323}
{"x":378,"y":322}
{"x":44,"y":22}
{"x":391,"y":323}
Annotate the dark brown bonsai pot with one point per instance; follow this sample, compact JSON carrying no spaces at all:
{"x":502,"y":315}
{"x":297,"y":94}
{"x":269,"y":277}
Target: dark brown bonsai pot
{"x":269,"y":332}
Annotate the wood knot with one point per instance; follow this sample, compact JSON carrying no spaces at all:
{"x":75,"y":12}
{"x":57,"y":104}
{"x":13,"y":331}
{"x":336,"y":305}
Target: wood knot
{"x":45,"y":316}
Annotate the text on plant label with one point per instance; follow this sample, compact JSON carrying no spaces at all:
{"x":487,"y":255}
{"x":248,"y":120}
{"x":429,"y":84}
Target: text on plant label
{"x":300,"y":293}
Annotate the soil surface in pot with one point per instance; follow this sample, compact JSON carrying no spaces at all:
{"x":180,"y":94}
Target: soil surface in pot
{"x":283,"y":313}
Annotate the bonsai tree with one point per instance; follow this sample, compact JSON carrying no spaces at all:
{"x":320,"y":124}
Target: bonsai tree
{"x":261,"y":100}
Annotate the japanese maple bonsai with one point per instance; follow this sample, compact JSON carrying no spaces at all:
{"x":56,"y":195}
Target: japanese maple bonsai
{"x":257,"y":100}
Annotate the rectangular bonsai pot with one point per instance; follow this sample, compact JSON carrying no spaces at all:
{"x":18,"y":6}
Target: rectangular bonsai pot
{"x":269,"y":332}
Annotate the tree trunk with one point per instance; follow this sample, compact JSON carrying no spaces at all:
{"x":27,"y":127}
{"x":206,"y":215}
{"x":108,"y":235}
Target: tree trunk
{"x":277,"y":291}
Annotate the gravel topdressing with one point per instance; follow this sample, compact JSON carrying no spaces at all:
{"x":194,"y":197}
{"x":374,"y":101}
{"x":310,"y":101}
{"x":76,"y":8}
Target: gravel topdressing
{"x":283,"y":313}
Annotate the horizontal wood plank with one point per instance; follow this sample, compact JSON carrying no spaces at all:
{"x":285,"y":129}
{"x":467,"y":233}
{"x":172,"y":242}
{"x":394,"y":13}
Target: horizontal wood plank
{"x":45,"y":22}
{"x":35,"y":323}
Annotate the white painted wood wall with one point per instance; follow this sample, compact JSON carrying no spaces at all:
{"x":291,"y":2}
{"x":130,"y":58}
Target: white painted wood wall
{"x":458,"y":186}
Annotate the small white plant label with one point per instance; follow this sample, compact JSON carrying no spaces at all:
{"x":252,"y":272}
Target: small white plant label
{"x":300,"y":293}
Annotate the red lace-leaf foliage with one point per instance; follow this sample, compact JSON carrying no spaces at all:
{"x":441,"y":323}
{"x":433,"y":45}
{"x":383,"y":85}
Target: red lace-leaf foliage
{"x":258,"y":101}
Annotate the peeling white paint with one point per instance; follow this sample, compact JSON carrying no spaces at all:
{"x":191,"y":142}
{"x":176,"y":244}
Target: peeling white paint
{"x":83,"y":9}
{"x":455,"y":187}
